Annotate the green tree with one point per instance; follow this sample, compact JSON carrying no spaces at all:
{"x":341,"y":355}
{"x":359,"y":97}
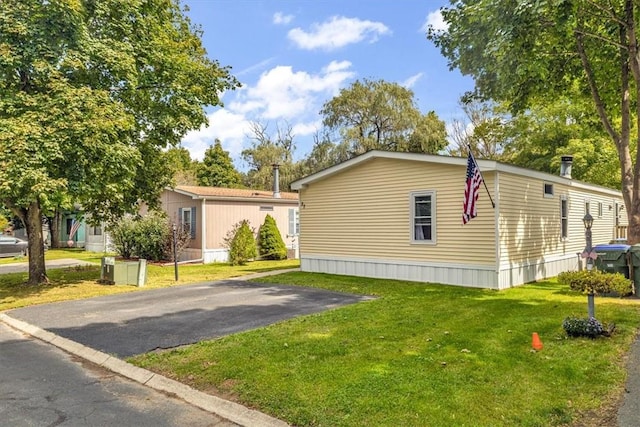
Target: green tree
{"x":378,"y":115}
{"x":270,"y":243}
{"x":267,"y":150}
{"x":183,"y":168}
{"x":324,"y":154}
{"x":534,"y":52}
{"x":242,"y":247}
{"x":217,"y":170}
{"x":91,"y":94}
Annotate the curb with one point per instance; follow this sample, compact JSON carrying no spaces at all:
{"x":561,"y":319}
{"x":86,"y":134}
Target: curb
{"x":232,"y":411}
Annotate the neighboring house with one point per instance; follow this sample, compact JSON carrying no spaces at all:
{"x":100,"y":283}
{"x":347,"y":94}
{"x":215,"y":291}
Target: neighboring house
{"x":399,"y":216}
{"x":92,"y":238}
{"x":209,"y":213}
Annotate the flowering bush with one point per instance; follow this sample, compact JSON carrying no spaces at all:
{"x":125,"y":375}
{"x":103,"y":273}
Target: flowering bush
{"x":583,"y":327}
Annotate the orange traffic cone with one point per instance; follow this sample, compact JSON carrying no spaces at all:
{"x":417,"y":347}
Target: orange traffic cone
{"x":536,"y":343}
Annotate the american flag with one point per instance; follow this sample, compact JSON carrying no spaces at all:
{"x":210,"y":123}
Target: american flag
{"x":474,"y":179}
{"x":75,"y":224}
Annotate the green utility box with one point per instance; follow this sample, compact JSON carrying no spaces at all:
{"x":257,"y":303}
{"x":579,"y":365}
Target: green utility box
{"x":123,"y":272}
{"x":613,"y":258}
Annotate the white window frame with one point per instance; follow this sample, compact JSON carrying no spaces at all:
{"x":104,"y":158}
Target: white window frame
{"x":564,"y":219}
{"x":599,"y":209}
{"x":412,"y":200}
{"x":294,"y":222}
{"x":544,"y":189}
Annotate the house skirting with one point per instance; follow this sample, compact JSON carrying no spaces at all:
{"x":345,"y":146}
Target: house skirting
{"x":446,"y":273}
{"x":510,"y":275}
{"x":515,"y":274}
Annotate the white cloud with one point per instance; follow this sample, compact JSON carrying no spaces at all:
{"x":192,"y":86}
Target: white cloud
{"x":337,"y":32}
{"x":229,"y":127}
{"x":436,"y":21}
{"x":281,"y":94}
{"x":257,"y":66}
{"x":280,"y":18}
{"x":284,"y":94}
{"x":411,"y":81}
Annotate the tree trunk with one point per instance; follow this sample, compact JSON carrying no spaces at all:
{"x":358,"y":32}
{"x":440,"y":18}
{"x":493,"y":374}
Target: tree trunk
{"x":55,"y":229}
{"x":33,"y":223}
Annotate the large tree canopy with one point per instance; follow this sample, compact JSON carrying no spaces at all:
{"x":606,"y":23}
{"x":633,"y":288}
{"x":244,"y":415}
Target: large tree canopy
{"x":521,"y":52}
{"x":378,"y":115}
{"x":92,"y":91}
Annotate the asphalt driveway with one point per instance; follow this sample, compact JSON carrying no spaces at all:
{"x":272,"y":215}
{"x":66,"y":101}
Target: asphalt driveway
{"x":139,"y":322}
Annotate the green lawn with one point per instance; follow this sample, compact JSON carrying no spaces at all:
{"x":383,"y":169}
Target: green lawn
{"x":82,"y":282}
{"x":419,"y":355}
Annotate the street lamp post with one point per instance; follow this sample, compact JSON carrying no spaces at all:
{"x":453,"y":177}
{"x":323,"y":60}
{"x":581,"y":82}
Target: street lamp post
{"x":175,"y":251}
{"x":588,"y":223}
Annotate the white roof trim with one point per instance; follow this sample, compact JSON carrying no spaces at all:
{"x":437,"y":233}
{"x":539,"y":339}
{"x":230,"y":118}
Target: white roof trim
{"x":484,"y":165}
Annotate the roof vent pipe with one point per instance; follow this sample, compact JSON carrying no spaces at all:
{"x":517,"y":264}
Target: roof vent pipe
{"x":565,"y":166}
{"x":276,"y":180}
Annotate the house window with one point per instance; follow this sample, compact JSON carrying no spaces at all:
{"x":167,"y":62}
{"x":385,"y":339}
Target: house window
{"x":294,"y":222}
{"x":423,"y":217}
{"x":587,"y":205}
{"x":564,"y":217}
{"x":188,"y":220}
{"x":548,"y":189}
{"x":599,"y":209}
{"x":266,"y":208}
{"x":95,"y":230}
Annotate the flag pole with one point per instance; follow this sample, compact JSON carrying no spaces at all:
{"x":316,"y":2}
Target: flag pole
{"x":493,"y":205}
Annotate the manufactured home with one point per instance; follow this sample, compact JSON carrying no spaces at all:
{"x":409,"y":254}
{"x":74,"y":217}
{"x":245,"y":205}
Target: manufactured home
{"x":399,"y":216}
{"x":209,"y":213}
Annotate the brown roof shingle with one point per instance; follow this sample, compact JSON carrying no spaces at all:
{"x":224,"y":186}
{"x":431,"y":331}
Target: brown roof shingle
{"x":233,"y":192}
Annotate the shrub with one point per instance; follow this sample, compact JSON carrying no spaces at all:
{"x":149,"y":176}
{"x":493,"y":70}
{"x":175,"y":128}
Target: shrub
{"x":270,"y":240}
{"x":123,"y":236}
{"x":596,"y":282}
{"x":583,"y":327}
{"x":243,"y":245}
{"x":152,"y":231}
{"x":149,"y":237}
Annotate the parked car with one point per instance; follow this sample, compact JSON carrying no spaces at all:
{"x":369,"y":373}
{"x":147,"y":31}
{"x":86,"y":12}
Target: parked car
{"x":12,"y":246}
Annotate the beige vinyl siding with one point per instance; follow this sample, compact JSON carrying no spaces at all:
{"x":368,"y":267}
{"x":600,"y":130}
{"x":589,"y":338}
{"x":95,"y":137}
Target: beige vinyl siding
{"x":365,"y":212}
{"x":172,"y":202}
{"x":530,"y":222}
{"x":222,"y":215}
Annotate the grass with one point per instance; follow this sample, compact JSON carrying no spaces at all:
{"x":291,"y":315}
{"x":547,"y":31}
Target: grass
{"x":82,"y":282}
{"x":419,"y":355}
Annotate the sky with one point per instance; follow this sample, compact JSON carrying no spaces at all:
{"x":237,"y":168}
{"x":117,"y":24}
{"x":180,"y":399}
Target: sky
{"x":292,"y":56}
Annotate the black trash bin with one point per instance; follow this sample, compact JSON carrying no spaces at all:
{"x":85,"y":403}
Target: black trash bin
{"x":634,"y":260}
{"x":613,"y":258}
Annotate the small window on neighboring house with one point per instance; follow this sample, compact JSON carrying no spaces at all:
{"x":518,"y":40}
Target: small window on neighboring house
{"x":423,"y":217}
{"x":587,"y":205}
{"x":95,"y":230}
{"x":599,"y":209}
{"x":266,"y":208}
{"x":548,"y":189}
{"x":294,"y":222}
{"x":564,"y":217}
{"x":187,"y":218}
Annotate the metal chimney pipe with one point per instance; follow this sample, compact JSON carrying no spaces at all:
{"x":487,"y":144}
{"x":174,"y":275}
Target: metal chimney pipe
{"x":565,"y":166}
{"x":276,"y":180}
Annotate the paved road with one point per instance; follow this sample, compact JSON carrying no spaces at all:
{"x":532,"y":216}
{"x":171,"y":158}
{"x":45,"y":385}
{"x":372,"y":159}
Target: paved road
{"x":134,"y":323}
{"x":44,"y":386}
{"x":20,"y":267}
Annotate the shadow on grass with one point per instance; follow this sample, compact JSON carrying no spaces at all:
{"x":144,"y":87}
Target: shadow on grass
{"x":14,"y":285}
